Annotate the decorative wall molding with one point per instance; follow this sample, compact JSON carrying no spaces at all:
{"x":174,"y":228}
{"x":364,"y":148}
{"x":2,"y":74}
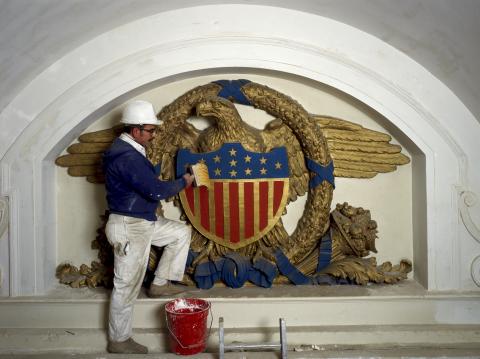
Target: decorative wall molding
{"x":475,"y":270}
{"x":469,"y":199}
{"x":3,"y":216}
{"x":4,"y":246}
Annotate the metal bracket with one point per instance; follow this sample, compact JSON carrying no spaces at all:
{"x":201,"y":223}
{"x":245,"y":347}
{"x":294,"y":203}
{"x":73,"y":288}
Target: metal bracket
{"x":232,"y":347}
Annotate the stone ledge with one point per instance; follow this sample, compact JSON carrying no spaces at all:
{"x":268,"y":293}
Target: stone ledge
{"x":249,"y":307}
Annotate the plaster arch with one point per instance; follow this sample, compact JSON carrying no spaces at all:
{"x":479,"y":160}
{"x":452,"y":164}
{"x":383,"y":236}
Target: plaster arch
{"x":62,"y":101}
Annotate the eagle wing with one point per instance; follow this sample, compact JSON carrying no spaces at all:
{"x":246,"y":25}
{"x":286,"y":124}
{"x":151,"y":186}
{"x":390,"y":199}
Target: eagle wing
{"x":276,"y":134}
{"x":84,"y":159}
{"x":357,"y":152}
{"x":164,"y":147}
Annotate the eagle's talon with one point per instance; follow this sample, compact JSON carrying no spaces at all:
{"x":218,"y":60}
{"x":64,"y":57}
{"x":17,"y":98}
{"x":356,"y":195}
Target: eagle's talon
{"x":203,"y":254}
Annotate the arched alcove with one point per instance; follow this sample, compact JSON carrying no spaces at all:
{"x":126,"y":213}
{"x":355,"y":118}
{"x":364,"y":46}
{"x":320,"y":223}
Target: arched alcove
{"x":67,"y":97}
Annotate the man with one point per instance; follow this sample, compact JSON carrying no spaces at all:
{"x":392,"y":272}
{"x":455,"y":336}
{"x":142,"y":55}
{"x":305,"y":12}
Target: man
{"x":133,"y":192}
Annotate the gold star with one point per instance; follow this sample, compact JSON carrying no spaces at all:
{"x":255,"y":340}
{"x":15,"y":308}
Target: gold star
{"x":247,"y":159}
{"x":218,"y":172}
{"x":233,"y":152}
{"x":233,"y":163}
{"x":263,"y":160}
{"x":216,"y":159}
{"x":263,"y":171}
{"x":248,"y":171}
{"x":278,"y":165}
{"x":233,"y":173}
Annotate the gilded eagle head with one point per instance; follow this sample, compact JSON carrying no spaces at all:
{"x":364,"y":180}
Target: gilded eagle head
{"x":227,"y":127}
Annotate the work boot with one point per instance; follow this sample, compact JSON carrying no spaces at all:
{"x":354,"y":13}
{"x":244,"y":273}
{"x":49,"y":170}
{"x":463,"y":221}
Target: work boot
{"x":129,"y":346}
{"x":166,"y":290}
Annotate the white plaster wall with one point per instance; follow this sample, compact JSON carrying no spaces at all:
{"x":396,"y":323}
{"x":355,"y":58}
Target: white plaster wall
{"x":388,"y":196}
{"x":71,"y":94}
{"x":440,"y":35}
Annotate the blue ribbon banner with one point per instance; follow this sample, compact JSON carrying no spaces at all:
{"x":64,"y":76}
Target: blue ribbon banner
{"x":235,"y":269}
{"x":322,"y":173}
{"x":231,"y":91}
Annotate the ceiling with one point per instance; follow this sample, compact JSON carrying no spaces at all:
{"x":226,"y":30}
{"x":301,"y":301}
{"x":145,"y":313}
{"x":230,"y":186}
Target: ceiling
{"x":441,"y":35}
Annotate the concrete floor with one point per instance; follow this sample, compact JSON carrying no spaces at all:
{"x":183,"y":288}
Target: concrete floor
{"x":465,"y":351}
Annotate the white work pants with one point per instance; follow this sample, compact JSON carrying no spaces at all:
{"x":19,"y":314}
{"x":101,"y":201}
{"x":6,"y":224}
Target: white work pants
{"x":131,"y":239}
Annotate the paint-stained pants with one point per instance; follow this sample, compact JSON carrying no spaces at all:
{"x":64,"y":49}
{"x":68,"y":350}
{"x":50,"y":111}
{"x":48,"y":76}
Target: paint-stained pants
{"x":131,"y":239}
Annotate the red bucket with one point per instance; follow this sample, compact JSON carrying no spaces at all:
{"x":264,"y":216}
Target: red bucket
{"x":187,"y":324}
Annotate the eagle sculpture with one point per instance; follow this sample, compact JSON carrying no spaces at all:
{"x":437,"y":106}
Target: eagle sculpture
{"x":313,"y":144}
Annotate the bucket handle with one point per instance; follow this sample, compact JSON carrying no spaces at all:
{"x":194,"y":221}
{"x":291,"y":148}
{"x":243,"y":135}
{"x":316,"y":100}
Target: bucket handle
{"x":193,"y":345}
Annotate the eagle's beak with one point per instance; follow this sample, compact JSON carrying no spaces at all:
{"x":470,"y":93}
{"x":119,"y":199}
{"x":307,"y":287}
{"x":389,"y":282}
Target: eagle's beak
{"x":202,"y":109}
{"x":198,"y":109}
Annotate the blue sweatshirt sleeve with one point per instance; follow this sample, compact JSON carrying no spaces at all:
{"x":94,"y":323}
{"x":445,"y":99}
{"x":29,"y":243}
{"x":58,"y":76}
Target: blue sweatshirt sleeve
{"x":140,"y":176}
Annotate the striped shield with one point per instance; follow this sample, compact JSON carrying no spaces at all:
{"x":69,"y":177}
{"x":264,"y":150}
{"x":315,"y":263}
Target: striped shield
{"x":245,"y":197}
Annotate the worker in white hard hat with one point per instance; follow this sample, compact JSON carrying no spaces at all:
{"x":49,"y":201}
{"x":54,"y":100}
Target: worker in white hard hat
{"x":133,"y":193}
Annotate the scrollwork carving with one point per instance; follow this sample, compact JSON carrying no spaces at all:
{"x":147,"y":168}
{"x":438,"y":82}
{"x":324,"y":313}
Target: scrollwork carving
{"x":469,"y":199}
{"x":3,"y":216}
{"x":475,"y":270}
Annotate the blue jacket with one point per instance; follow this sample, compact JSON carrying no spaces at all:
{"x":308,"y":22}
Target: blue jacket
{"x":133,"y":188}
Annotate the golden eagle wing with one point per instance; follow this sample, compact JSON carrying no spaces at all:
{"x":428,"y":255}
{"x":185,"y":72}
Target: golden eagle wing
{"x":164,"y":147}
{"x":84,"y":159}
{"x":359,"y":152}
{"x":276,"y":134}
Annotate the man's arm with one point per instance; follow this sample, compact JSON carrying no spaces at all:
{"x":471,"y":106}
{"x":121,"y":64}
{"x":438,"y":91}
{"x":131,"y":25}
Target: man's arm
{"x":144,"y":181}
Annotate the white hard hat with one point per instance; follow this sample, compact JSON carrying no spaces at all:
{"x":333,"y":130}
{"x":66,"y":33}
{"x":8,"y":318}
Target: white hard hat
{"x":139,"y":112}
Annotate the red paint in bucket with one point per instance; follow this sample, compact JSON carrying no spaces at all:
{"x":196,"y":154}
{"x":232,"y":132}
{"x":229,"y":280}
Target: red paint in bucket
{"x":187,"y":324}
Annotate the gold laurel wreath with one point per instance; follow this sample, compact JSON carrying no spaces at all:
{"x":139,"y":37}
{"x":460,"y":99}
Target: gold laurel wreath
{"x":315,"y":219}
